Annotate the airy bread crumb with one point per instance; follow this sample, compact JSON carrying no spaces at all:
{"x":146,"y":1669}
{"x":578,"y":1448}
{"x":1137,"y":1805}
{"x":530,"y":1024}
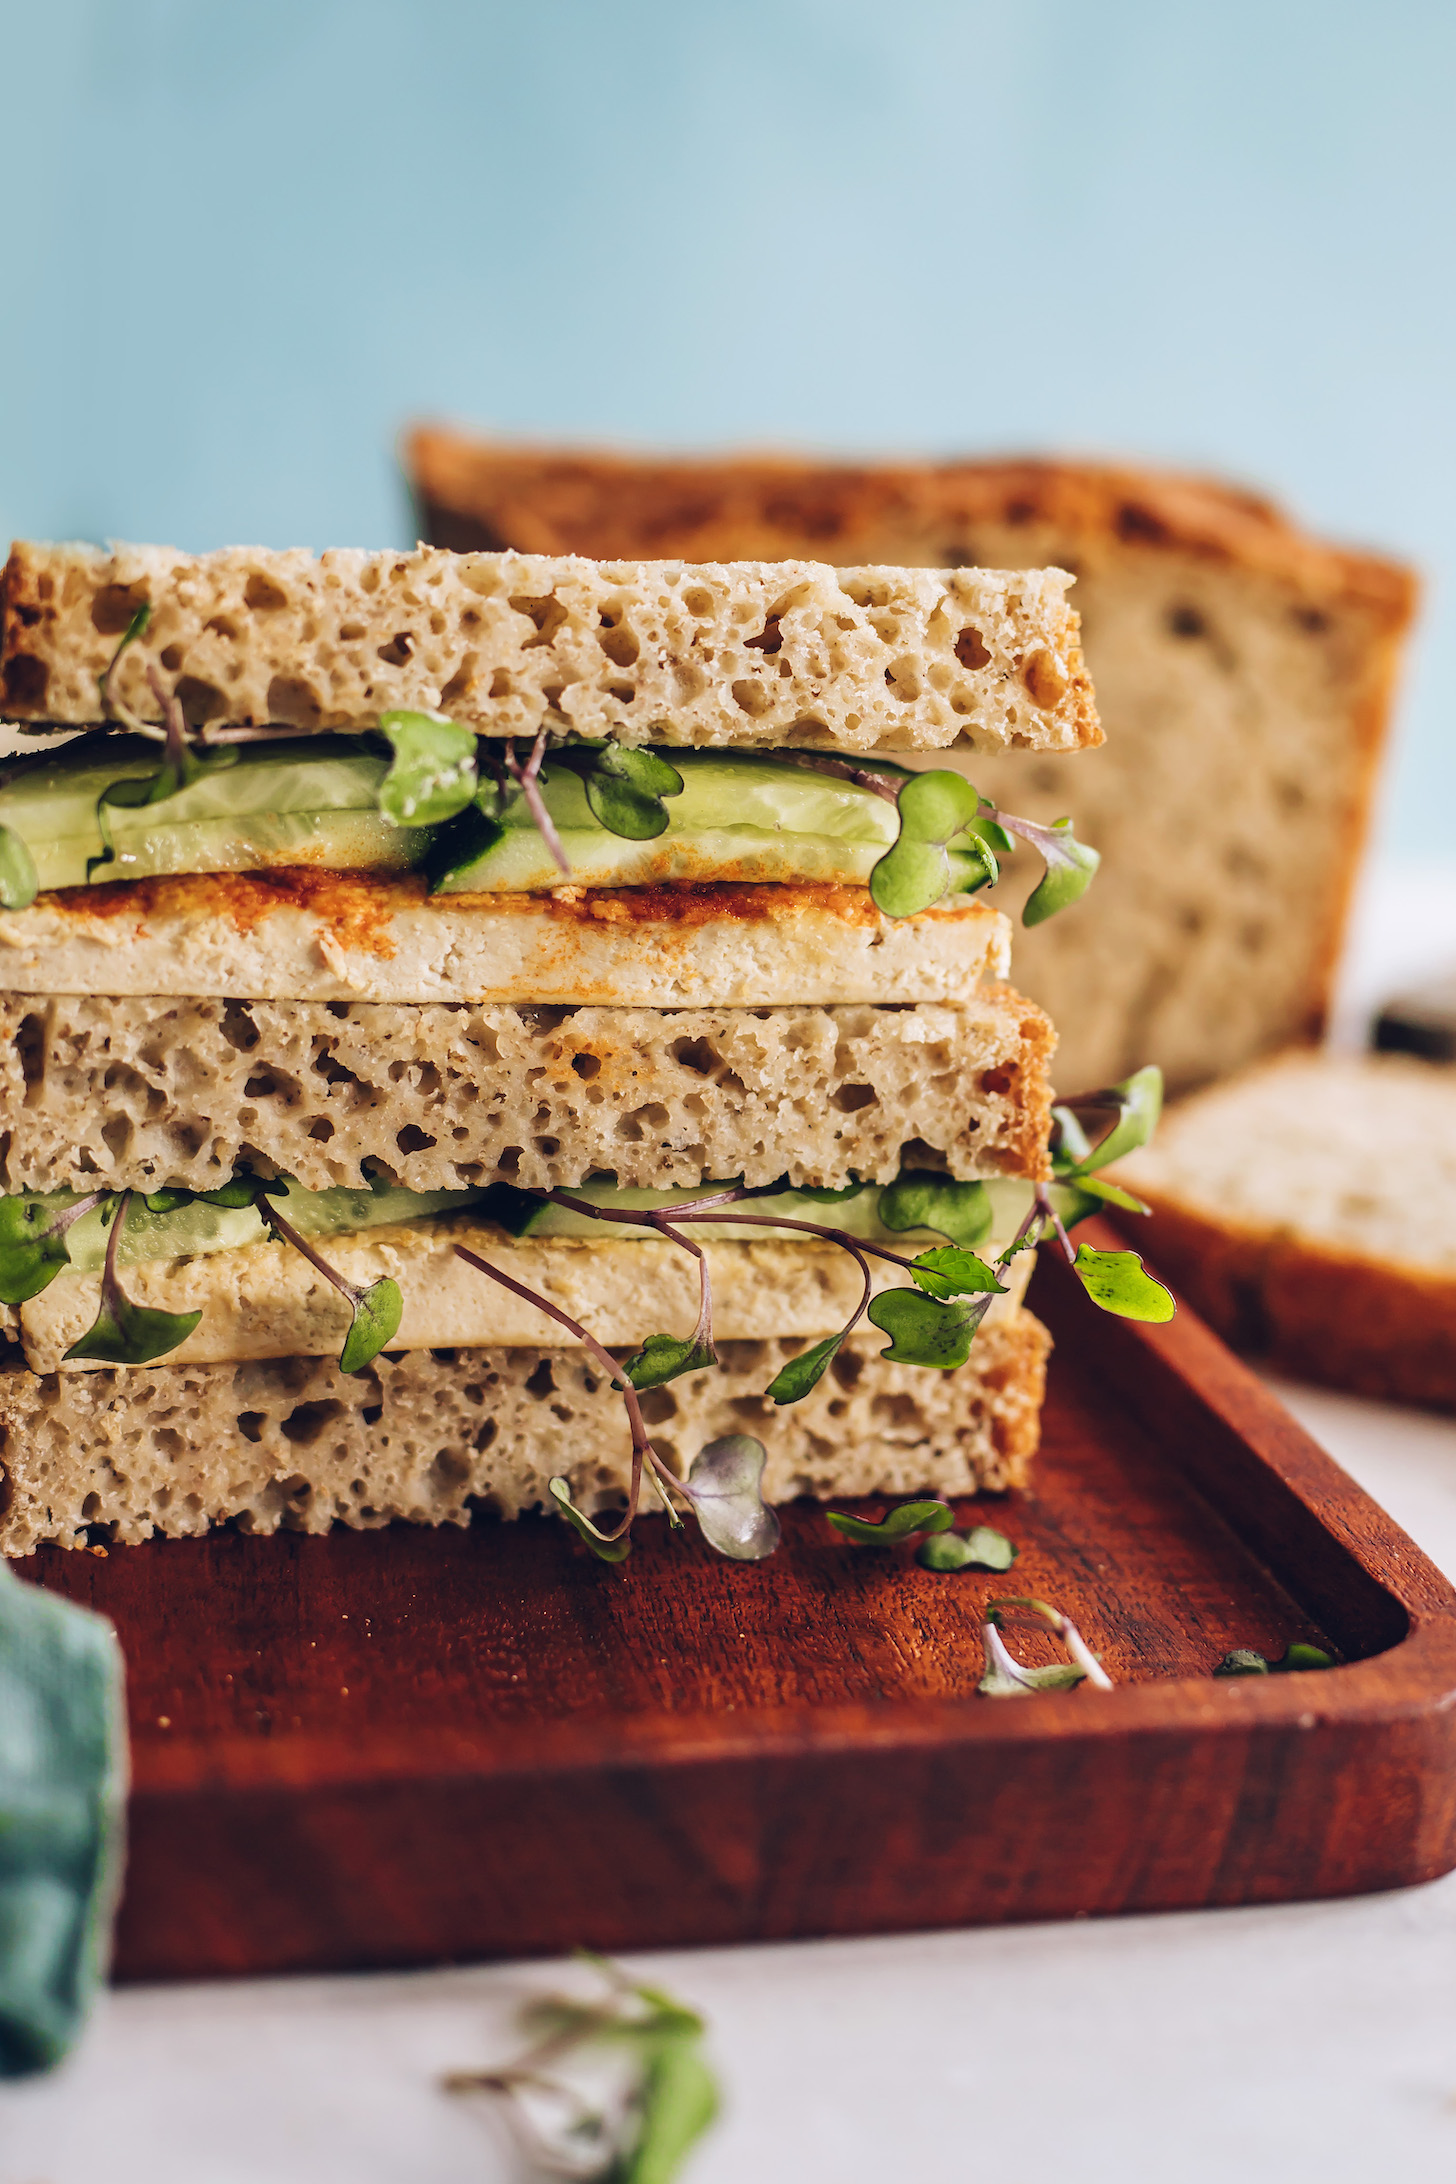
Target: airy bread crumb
{"x":151,"y":1091}
{"x":1308,"y":1210}
{"x":752,"y":653}
{"x":431,"y":1436}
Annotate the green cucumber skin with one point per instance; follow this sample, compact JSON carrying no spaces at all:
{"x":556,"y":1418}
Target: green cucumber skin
{"x":742,"y":816}
{"x":857,"y":1216}
{"x":199,"y":1229}
{"x":302,"y":801}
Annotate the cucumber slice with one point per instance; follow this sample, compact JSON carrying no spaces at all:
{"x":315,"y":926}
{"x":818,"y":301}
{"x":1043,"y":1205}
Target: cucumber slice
{"x":744,"y":816}
{"x":303,"y":801}
{"x":197,"y":1228}
{"x":522,"y":1215}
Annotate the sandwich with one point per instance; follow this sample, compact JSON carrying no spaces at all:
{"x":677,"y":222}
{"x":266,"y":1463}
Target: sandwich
{"x":1244,"y":669}
{"x":494,"y":1032}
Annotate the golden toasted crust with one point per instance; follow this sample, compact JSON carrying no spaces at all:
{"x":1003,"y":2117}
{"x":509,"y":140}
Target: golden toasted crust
{"x":476,"y":492}
{"x":758,"y":655}
{"x":1375,"y":1328}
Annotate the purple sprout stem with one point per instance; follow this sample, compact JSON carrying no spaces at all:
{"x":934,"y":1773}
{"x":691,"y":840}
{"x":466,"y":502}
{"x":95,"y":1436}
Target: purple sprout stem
{"x":525,"y":779}
{"x":321,"y":1265}
{"x":642,"y":1448}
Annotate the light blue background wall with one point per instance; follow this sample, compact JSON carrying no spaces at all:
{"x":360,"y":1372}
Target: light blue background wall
{"x":244,"y":243}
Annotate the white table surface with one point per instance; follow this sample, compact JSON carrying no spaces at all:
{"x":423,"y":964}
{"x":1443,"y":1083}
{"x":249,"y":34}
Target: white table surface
{"x":1309,"y":2044}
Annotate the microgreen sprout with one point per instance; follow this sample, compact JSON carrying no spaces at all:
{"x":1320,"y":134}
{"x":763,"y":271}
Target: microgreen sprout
{"x":180,"y":766}
{"x":625,"y":785}
{"x":1296,"y":1657}
{"x":376,"y":1310}
{"x":433,"y":775}
{"x":723,"y":1485}
{"x":124,"y":1333}
{"x":33,"y":1246}
{"x":614,"y":2090}
{"x":896,"y":1525}
{"x":952,"y":838}
{"x":1006,"y":1677}
{"x":982,"y":1548}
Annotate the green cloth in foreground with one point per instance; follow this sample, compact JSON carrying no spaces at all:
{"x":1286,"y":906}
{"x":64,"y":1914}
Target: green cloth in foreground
{"x":62,"y":1797}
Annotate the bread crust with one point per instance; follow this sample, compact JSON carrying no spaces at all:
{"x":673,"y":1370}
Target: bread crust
{"x":1374,"y":1328}
{"x":473,"y":491}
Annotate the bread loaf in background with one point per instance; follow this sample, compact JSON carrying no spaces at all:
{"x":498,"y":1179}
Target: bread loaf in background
{"x":1244,"y":673}
{"x":1308,"y":1210}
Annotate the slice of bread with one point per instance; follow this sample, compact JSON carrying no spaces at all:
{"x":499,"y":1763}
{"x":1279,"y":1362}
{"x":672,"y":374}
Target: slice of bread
{"x":265,"y":1300}
{"x":147,"y":1092}
{"x":302,"y":934}
{"x":757,"y":654}
{"x":430,"y":1435}
{"x":1244,"y":670}
{"x":1308,"y":1210}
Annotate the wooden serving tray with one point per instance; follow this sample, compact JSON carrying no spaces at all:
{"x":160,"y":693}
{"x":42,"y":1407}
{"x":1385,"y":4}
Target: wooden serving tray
{"x":412,"y":1747}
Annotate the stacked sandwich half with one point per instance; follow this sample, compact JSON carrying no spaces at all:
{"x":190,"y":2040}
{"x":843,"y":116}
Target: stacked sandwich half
{"x":387,"y":928}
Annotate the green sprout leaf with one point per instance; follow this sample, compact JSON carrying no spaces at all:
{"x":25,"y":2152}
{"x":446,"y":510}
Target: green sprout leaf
{"x":1299,"y":1656}
{"x":677,"y":2101}
{"x":464,"y":840}
{"x":432,"y":777}
{"x":667,"y":1357}
{"x":937,"y":810}
{"x":725,"y":1486}
{"x":981,"y":1549}
{"x":136,"y":627}
{"x":378,"y":1311}
{"x":951,"y":1273}
{"x":1101,"y":1192}
{"x":899,"y":1524}
{"x":606,"y":1550}
{"x":1070,"y":866}
{"x":792,"y":1382}
{"x":1243,"y":1661}
{"x":33,"y":1246}
{"x":1117,"y":1282}
{"x":624,"y":786}
{"x":1135,"y":1104}
{"x":923,"y":1331}
{"x":124,"y":1333}
{"x":18,"y":883}
{"x":920,"y":1199}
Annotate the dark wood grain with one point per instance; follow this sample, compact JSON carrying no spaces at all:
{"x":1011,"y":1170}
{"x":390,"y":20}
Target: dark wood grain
{"x":407,"y":1746}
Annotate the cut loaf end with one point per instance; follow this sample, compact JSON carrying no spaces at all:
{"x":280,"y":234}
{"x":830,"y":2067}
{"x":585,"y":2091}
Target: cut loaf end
{"x":1308,"y":1210}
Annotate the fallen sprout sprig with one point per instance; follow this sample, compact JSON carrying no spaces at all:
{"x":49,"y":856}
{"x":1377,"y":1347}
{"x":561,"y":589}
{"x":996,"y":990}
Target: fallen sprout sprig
{"x":1295,"y":1659}
{"x":1008,"y":1678}
{"x":639,"y":2126}
{"x":124,"y":1333}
